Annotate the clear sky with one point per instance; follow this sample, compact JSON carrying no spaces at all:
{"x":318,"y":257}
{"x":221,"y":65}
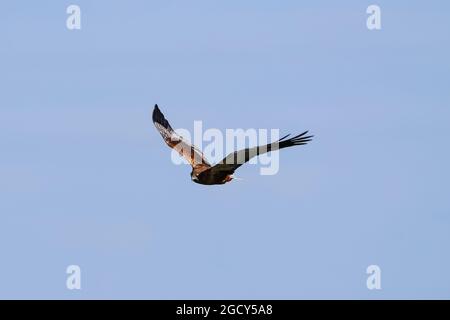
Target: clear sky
{"x":85,"y":178}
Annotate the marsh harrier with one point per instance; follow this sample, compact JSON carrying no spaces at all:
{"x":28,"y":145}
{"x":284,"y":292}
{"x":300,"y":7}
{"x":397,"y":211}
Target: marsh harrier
{"x":205,"y":173}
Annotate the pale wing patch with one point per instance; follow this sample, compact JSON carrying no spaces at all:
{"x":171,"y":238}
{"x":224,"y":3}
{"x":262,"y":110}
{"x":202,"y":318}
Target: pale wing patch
{"x":165,"y":133}
{"x":191,"y":153}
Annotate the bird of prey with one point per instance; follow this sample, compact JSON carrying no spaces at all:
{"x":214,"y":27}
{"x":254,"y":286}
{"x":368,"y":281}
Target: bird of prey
{"x":205,"y":173}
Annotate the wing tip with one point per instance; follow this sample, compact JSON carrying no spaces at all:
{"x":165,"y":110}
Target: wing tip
{"x":297,"y":140}
{"x":158,"y":118}
{"x":157,"y":115}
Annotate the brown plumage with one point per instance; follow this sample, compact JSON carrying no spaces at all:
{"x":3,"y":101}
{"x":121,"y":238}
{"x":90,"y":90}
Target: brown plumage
{"x":202,"y":171}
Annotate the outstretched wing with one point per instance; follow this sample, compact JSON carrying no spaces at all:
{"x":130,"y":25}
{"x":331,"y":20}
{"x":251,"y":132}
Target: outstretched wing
{"x":190,"y":152}
{"x":236,"y":159}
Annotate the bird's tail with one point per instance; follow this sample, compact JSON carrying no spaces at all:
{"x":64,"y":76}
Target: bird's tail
{"x":236,"y":178}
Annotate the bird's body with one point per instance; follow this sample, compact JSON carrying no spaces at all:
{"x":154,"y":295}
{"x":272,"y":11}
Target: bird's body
{"x":208,"y":176}
{"x":205,"y":173}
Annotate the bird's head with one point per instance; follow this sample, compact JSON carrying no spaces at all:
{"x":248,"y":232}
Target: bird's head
{"x":194,"y":178}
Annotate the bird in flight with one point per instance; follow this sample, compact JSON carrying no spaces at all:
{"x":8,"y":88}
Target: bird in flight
{"x":205,"y":173}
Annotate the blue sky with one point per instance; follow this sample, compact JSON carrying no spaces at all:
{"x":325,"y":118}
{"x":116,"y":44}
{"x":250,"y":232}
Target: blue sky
{"x":85,"y":178}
